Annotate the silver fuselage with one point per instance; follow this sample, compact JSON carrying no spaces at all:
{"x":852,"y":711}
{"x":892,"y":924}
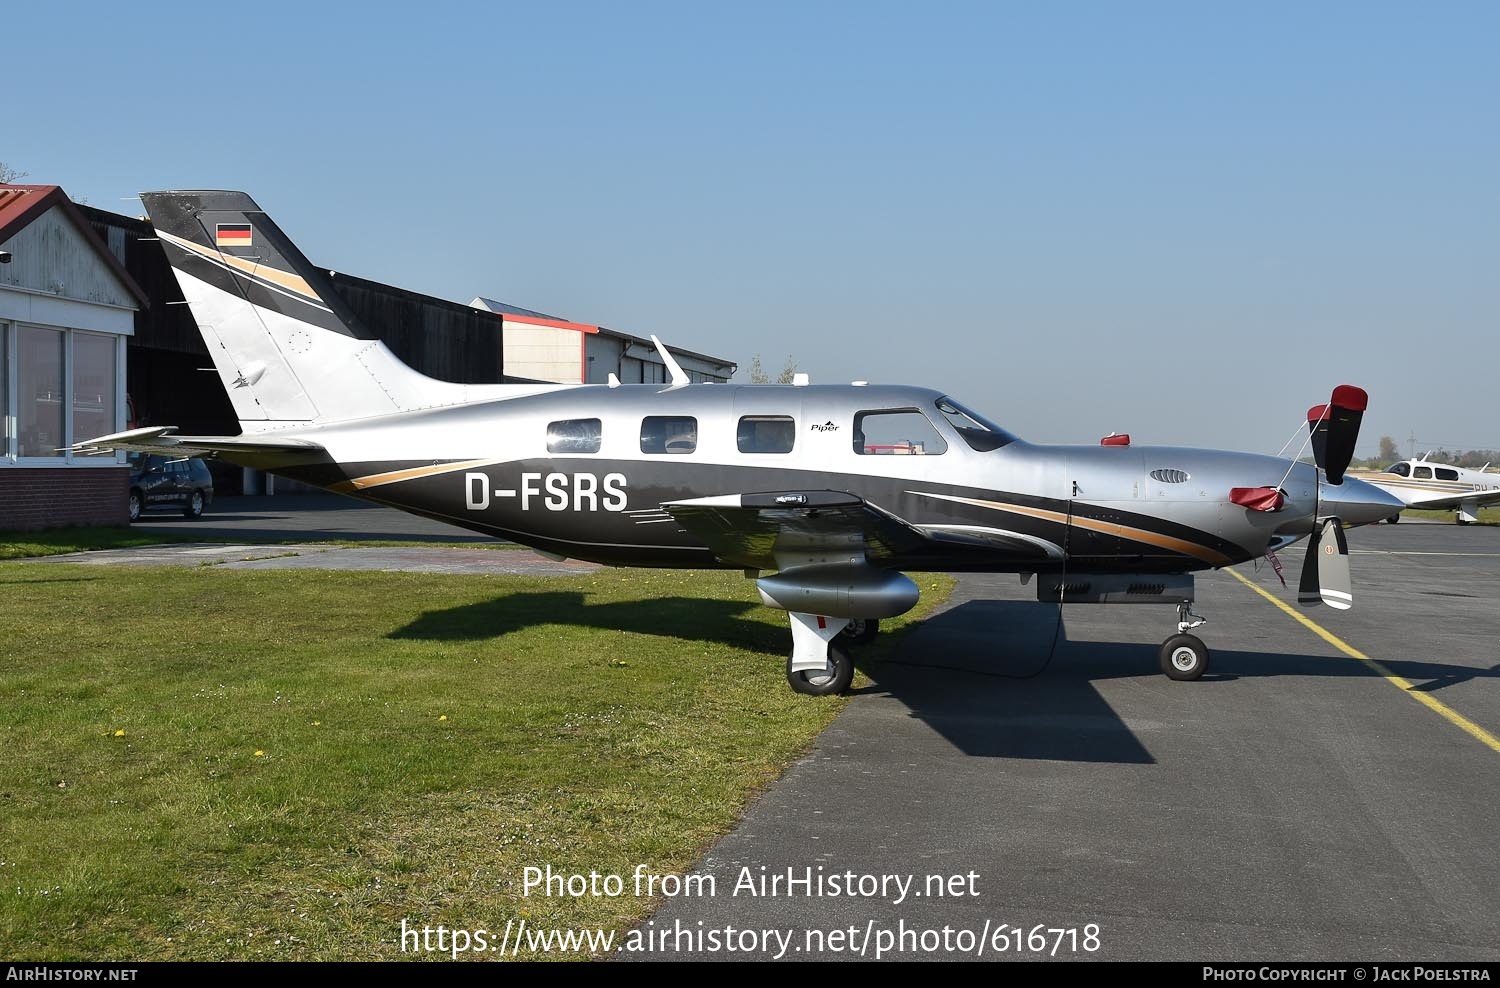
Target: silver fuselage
{"x":486,"y":467}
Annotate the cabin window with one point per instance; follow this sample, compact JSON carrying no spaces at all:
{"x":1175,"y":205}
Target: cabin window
{"x":669,"y":434}
{"x":1446,"y":474}
{"x":897,"y":431}
{"x":1401,"y":470}
{"x":981,"y":434}
{"x":574,"y":436}
{"x":1422,"y":473}
{"x":767,"y":434}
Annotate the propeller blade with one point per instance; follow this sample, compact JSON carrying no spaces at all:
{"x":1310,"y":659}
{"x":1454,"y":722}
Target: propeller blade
{"x":1307,"y":586}
{"x":1335,"y":429}
{"x":1325,"y":570}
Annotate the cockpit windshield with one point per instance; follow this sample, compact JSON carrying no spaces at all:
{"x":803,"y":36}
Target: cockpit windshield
{"x":980,"y":433}
{"x":1400,"y":470}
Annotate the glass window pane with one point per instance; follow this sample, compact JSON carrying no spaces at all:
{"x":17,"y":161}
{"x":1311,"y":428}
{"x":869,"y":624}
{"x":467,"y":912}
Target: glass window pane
{"x":39,"y":391}
{"x":904,"y":431}
{"x":980,"y":433}
{"x":93,"y":386}
{"x":4,"y":390}
{"x":766,"y":434}
{"x":574,"y":436}
{"x":669,"y":434}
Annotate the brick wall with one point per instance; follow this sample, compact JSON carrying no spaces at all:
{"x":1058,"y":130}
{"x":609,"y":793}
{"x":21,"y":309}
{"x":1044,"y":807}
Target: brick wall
{"x":39,"y":497}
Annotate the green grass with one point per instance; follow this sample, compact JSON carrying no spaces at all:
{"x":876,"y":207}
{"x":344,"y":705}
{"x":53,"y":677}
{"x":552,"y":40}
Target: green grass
{"x":1487,"y":516}
{"x":206,"y":764}
{"x":58,"y":541}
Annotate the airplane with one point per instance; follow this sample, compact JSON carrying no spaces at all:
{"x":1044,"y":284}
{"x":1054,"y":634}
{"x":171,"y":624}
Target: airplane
{"x":1425,"y":484}
{"x":825,"y":495}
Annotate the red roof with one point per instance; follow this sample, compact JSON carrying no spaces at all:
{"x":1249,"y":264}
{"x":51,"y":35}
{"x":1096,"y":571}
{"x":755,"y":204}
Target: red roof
{"x":20,"y":204}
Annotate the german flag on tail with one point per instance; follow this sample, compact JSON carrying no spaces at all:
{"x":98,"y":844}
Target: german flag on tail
{"x":232,"y":235}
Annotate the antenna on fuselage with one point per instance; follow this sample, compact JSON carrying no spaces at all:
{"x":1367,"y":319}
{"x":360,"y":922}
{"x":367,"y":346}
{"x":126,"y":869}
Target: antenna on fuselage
{"x":673,"y":369}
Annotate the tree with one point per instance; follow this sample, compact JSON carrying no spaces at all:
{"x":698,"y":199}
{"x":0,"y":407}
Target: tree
{"x":758,"y":373}
{"x":9,"y":174}
{"x":1389,"y":453}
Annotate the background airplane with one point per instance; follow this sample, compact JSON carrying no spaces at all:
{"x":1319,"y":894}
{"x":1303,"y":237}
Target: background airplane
{"x":1438,"y":486}
{"x":834,"y":491}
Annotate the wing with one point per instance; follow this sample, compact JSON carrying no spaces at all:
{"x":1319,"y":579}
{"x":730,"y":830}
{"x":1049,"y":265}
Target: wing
{"x":164,"y":441}
{"x":786,"y":529}
{"x":1449,"y":500}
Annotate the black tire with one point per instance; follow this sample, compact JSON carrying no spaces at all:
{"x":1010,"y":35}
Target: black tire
{"x":1393,"y":519}
{"x":133,"y":506}
{"x":1463,"y":522}
{"x":194,"y":506}
{"x":824,"y":684}
{"x":1184,"y":657}
{"x":860,"y":631}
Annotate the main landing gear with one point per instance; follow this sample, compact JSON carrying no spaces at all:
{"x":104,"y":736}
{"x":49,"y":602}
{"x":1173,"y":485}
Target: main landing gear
{"x":820,"y":664}
{"x":1183,"y":656}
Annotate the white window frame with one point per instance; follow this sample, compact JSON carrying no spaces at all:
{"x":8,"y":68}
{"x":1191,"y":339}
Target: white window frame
{"x":10,"y":455}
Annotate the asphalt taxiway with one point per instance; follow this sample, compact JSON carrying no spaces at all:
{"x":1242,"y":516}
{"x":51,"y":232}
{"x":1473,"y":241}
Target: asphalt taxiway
{"x":1295,"y":803}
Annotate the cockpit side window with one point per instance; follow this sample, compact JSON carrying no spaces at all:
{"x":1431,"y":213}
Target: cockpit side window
{"x":669,"y":434}
{"x":1400,"y":469}
{"x":1443,"y":473}
{"x":980,"y":433}
{"x":1422,"y":473}
{"x":574,"y":436}
{"x":898,"y":431}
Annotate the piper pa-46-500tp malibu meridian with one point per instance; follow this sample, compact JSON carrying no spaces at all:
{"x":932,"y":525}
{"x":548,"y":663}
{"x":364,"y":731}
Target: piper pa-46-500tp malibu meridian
{"x":836,"y":489}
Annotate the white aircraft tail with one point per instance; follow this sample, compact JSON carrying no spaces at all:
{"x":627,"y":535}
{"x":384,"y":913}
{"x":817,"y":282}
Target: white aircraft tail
{"x":287,"y":348}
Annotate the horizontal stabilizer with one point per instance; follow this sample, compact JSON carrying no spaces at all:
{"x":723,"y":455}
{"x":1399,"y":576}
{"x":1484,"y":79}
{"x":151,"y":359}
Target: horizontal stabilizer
{"x":164,"y":441}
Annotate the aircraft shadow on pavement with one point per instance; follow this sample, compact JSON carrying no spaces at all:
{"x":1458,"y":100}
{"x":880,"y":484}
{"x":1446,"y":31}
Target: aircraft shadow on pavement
{"x":985,"y":676}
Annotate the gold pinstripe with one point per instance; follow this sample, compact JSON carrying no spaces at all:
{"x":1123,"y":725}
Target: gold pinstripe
{"x":411,"y":473}
{"x":1210,"y":556}
{"x":283,"y":279}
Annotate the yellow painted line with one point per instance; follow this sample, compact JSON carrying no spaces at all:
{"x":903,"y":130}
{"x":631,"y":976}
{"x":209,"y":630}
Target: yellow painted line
{"x":1426,"y":699}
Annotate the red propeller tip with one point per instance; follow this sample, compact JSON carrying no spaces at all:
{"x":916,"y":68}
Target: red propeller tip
{"x":1316,"y":413}
{"x":1348,"y":397}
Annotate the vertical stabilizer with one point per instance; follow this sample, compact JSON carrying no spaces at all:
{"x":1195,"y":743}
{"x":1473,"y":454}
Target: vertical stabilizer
{"x":285,"y":345}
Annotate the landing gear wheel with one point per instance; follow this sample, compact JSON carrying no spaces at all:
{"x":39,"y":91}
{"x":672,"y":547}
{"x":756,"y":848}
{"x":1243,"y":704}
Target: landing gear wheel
{"x":1463,"y":521}
{"x":1184,"y":657}
{"x":819,"y":682}
{"x":1393,"y":519}
{"x":194,"y":506}
{"x":133,"y":507}
{"x":860,"y":631}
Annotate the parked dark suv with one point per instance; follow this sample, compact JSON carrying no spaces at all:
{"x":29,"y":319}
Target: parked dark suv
{"x":162,"y":482}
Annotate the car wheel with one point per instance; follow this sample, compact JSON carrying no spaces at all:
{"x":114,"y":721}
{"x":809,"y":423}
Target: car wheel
{"x":194,"y":507}
{"x":133,"y":506}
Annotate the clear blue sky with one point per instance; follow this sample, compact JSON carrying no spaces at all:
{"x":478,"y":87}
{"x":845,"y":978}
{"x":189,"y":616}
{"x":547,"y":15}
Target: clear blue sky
{"x":1183,"y":220}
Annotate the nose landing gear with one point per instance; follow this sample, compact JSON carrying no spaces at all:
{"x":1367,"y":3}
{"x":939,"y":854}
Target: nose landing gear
{"x":1184,"y":657}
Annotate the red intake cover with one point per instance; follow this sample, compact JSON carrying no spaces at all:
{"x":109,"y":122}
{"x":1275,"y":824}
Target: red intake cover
{"x":1258,"y":498}
{"x":1120,"y":440}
